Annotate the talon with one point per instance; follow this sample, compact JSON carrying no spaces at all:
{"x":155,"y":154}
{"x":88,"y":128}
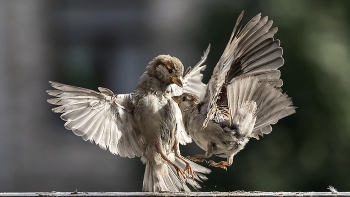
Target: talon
{"x":221,"y":164}
{"x":189,"y":170}
{"x":180,"y":171}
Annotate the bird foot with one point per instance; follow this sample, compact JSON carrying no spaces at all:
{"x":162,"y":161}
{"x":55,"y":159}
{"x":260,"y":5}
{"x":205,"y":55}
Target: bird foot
{"x":189,"y":170}
{"x":221,"y":164}
{"x":180,"y":171}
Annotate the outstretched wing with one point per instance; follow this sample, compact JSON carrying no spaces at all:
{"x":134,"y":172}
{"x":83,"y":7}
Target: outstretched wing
{"x":192,"y":80}
{"x":251,"y":52}
{"x":217,"y":79}
{"x":270,"y":103}
{"x":102,"y":117}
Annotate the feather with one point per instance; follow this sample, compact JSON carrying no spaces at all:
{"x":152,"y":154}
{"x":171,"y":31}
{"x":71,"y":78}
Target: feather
{"x":192,"y":80}
{"x":252,"y":51}
{"x":249,"y":25}
{"x":69,"y":88}
{"x":102,"y":117}
{"x":261,"y":49}
{"x":271,"y":103}
{"x":95,"y":128}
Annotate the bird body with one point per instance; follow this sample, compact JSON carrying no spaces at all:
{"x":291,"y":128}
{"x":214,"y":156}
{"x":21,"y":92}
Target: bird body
{"x":253,"y":107}
{"x":146,"y":124}
{"x":243,"y":96}
{"x":218,"y":138}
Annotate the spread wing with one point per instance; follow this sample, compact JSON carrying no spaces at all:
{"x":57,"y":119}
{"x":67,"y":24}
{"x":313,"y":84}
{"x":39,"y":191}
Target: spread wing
{"x":181,"y":133}
{"x":271,"y":104}
{"x":251,"y":52}
{"x":102,"y":117}
{"x":192,"y":80}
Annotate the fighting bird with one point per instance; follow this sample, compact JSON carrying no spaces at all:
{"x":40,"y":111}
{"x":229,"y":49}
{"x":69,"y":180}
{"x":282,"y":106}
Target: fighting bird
{"x":146,"y":123}
{"x":243,"y":96}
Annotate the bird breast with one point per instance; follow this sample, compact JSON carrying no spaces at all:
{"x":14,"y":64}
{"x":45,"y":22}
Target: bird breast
{"x":155,"y":120}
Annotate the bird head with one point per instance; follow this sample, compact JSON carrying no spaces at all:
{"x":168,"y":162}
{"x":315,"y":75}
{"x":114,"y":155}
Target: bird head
{"x":167,"y":69}
{"x":186,"y":101}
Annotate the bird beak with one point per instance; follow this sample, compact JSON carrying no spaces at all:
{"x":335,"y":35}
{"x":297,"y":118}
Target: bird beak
{"x":176,"y":99}
{"x":177,"y":81}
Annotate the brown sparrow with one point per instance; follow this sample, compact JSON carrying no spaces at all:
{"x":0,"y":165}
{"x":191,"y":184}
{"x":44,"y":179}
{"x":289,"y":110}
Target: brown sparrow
{"x":241,"y":98}
{"x":253,"y":105}
{"x":146,"y":124}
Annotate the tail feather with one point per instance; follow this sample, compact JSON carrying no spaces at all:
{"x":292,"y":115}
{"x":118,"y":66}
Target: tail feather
{"x":198,"y":169}
{"x":270,"y":103}
{"x":155,"y":178}
{"x":163,"y":177}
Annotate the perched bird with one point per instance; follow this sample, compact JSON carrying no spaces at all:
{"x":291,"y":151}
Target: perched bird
{"x":242,"y":98}
{"x":146,"y":124}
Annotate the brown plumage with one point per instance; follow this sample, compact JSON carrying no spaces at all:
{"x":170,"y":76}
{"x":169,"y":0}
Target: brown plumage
{"x":253,"y":107}
{"x":146,"y":124}
{"x":242,"y":98}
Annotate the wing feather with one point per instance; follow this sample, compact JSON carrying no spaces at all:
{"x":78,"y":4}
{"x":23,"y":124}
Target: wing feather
{"x":252,"y":51}
{"x":102,"y":117}
{"x":192,"y":80}
{"x":271,"y":103}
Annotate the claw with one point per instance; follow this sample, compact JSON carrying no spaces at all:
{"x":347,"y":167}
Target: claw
{"x":189,"y":170}
{"x":180,"y":171}
{"x":221,"y":164}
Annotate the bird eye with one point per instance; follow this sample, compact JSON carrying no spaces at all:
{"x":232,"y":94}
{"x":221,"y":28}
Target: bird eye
{"x":170,"y":70}
{"x":184,"y":98}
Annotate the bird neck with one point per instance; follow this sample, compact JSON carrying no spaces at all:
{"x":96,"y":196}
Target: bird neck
{"x":149,"y":84}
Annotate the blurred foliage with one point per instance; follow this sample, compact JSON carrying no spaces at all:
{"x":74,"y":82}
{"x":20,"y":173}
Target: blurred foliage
{"x":309,"y":150}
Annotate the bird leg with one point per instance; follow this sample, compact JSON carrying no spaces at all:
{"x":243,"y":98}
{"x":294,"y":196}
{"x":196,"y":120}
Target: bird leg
{"x":221,"y":164}
{"x":177,"y":168}
{"x":177,"y":154}
{"x":202,"y":157}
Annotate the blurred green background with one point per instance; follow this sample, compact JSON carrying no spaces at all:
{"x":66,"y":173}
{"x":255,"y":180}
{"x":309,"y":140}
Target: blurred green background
{"x":104,"y":43}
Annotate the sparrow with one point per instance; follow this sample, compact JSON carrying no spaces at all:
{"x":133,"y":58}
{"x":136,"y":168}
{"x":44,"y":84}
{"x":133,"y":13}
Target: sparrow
{"x":146,"y":123}
{"x":253,"y":105}
{"x":243,"y":96}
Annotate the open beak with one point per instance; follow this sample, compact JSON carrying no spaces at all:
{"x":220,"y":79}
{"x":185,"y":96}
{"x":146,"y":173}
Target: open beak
{"x":176,"y":99}
{"x":177,"y":81}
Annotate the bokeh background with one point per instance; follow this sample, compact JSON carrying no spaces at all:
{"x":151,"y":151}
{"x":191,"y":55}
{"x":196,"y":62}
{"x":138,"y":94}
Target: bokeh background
{"x":94,"y":43}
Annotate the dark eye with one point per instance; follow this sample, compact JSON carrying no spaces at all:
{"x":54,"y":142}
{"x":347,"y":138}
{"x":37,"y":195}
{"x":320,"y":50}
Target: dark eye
{"x":184,"y":98}
{"x":170,"y":71}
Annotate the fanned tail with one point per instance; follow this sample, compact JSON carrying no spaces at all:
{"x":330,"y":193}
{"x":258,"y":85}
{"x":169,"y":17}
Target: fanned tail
{"x":163,"y":177}
{"x":272,"y":105}
{"x":251,"y":98}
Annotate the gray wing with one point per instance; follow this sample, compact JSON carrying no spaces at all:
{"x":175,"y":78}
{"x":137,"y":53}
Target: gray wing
{"x":102,"y":117}
{"x":181,"y":133}
{"x":269,"y":102}
{"x":251,"y":52}
{"x":193,"y":78}
{"x":272,"y":105}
